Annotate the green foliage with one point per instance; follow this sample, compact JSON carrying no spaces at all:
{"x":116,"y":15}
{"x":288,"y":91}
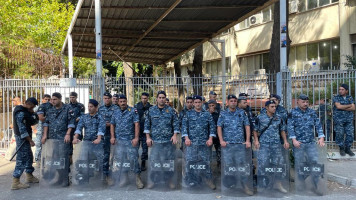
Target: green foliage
{"x":24,"y":71}
{"x":351,"y":62}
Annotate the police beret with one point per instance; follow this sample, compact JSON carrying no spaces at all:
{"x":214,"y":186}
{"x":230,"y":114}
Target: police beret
{"x":197,"y":97}
{"x":122,"y":96}
{"x":231,"y":96}
{"x":167,"y":99}
{"x":94,"y":102}
{"x":275,"y":96}
{"x":145,"y":94}
{"x":116,"y":95}
{"x":212,"y":93}
{"x":57,"y":94}
{"x":243,"y":95}
{"x":303,"y":97}
{"x":73,"y":94}
{"x":203,"y":98}
{"x":345,"y":86}
{"x":188,"y":97}
{"x":211,"y":101}
{"x":269,"y":102}
{"x":242,"y":98}
{"x":161,"y":92}
{"x":107,"y":94}
{"x":32,"y":100}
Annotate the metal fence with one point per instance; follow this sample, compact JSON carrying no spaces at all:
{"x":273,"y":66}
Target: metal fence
{"x":318,"y":85}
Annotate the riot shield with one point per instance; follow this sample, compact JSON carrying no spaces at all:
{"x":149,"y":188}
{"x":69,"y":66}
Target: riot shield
{"x":87,"y":168}
{"x":272,"y":170}
{"x":310,"y":174}
{"x":236,"y":171}
{"x":197,"y":173}
{"x":124,"y":165}
{"x":162,"y":169}
{"x":54,"y":163}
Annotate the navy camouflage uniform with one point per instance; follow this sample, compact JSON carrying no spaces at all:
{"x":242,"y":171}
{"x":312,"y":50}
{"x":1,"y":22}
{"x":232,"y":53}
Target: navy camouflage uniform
{"x":23,"y":120}
{"x":180,"y":118}
{"x":42,"y":109}
{"x":106,"y":113}
{"x":270,"y":151}
{"x":324,"y":113}
{"x":141,"y":109}
{"x":198,"y":126}
{"x":343,"y":122}
{"x":161,"y":124}
{"x":280,"y":111}
{"x":301,"y":126}
{"x":216,"y":140}
{"x":124,"y":122}
{"x":233,"y":125}
{"x":78,"y":110}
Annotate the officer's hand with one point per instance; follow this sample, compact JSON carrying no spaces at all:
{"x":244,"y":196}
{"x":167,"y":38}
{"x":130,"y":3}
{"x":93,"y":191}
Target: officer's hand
{"x":174,"y":139}
{"x":223,"y":143}
{"x":296,"y":143}
{"x":43,"y":140}
{"x":209,"y":142}
{"x":67,"y":138}
{"x":149,"y":142}
{"x":77,"y":120}
{"x":187,"y":142}
{"x":134,"y":142}
{"x":32,"y":143}
{"x":256,"y":143}
{"x":76,"y":141}
{"x":286,"y":145}
{"x":97,"y":141}
{"x":321,"y":142}
{"x":112,"y":141}
{"x":248,"y":144}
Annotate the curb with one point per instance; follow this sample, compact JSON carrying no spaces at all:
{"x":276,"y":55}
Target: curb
{"x":349,"y":182}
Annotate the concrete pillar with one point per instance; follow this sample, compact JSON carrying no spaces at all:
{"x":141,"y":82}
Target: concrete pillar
{"x":344,"y":24}
{"x":129,"y":84}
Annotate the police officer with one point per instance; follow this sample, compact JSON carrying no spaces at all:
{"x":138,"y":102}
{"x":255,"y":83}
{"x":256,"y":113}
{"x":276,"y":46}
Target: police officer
{"x":231,"y":125}
{"x":324,"y":113}
{"x":125,"y":129}
{"x":93,"y":124}
{"x":188,"y":106}
{"x":213,"y":96}
{"x":58,"y":125}
{"x":242,"y":104}
{"x":167,"y":102}
{"x":302,"y":121}
{"x":41,"y":112}
{"x":106,"y":111}
{"x":115,"y":99}
{"x":198,"y":129}
{"x":23,"y":119}
{"x":280,"y":110}
{"x":77,"y":110}
{"x":343,"y":108}
{"x":142,"y":107}
{"x":216,"y":142}
{"x":160,"y":122}
{"x":267,"y":135}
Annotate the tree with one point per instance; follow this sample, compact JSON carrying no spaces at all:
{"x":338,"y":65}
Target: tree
{"x":197,"y":71}
{"x":179,"y":81}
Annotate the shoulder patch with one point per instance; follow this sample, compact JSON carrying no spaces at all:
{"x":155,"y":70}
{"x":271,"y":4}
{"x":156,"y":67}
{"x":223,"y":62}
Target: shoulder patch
{"x":129,"y":109}
{"x":167,"y":110}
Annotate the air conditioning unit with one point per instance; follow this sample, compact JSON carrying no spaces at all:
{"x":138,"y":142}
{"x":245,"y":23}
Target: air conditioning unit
{"x":293,"y":6}
{"x":311,"y":66}
{"x":255,"y":19}
{"x":260,"y":72}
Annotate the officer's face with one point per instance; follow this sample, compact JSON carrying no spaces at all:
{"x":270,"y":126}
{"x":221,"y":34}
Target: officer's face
{"x":144,"y":99}
{"x":46,"y":99}
{"x":243,"y":104}
{"x":107,"y":100}
{"x":212,"y":97}
{"x":167,"y":103}
{"x":92,"y":109}
{"x":303,"y":104}
{"x":271,"y":108}
{"x":212,"y":107}
{"x":342,"y":91}
{"x":232,"y":103}
{"x":189,"y":103}
{"x":197,"y":104}
{"x":115,"y":100}
{"x":55,"y":101}
{"x":73,"y":99}
{"x":161,"y":100}
{"x":275,"y":100}
{"x":123,"y":103}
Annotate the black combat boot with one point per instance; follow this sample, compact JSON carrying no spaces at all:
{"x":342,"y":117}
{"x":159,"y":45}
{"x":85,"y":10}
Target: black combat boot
{"x":348,"y":151}
{"x":342,"y":151}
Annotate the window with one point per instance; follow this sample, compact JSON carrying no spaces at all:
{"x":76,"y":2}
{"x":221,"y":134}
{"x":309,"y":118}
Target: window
{"x":213,"y":68}
{"x":354,"y":50}
{"x":265,"y":15}
{"x":312,"y":51}
{"x":335,"y":52}
{"x":301,"y":57}
{"x":323,"y":2}
{"x":292,"y":60}
{"x":249,"y":64}
{"x":324,"y":53}
{"x":304,"y":5}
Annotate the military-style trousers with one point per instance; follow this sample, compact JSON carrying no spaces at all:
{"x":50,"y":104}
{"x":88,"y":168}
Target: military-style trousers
{"x":24,"y":158}
{"x":344,"y":133}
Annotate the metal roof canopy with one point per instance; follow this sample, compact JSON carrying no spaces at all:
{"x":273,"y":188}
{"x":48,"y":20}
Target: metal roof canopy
{"x":154,"y":31}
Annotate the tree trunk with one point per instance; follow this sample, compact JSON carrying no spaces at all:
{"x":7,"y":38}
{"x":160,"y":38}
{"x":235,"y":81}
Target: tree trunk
{"x":274,"y":54}
{"x":197,"y":72}
{"x":179,"y":82}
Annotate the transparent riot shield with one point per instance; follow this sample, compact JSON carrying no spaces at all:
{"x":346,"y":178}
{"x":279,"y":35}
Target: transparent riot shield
{"x":197,"y":172}
{"x":124,"y":165}
{"x":236,"y":170}
{"x":310,"y":174}
{"x":87,"y":168}
{"x":272,"y":170}
{"x":162,"y":169}
{"x":54,"y":163}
